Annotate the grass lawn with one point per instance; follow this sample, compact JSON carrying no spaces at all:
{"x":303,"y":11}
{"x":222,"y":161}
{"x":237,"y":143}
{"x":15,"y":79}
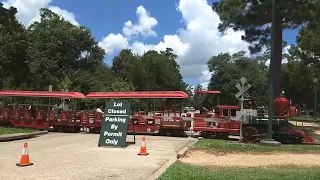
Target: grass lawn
{"x":222,"y":146}
{"x":184,"y":171}
{"x":12,"y":130}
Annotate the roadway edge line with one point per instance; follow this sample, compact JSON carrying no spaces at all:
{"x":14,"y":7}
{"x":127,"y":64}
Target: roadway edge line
{"x":18,"y":136}
{"x":181,"y":152}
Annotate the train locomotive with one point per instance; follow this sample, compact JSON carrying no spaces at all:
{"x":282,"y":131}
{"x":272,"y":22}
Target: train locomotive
{"x":254,"y":127}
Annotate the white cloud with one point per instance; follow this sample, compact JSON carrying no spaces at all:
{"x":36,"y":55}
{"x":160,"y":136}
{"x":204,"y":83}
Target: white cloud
{"x":144,"y":26}
{"x":113,"y":42}
{"x":28,"y":10}
{"x":205,"y":77}
{"x":194,"y":44}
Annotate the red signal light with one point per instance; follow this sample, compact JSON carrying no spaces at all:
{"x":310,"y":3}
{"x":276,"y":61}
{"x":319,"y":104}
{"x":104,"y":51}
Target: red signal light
{"x":249,"y":102}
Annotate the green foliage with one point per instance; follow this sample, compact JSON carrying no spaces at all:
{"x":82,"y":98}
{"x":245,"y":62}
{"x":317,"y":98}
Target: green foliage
{"x":228,"y":69}
{"x":152,"y":71}
{"x":297,"y":83}
{"x":13,"y":45}
{"x":308,"y":44}
{"x":55,"y":52}
{"x":254,"y":17}
{"x":197,"y":99}
{"x":52,"y":51}
{"x":297,"y":78}
{"x":120,"y":85}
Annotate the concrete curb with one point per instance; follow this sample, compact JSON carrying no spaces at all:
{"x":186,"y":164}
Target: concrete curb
{"x":17,"y":136}
{"x":182,"y":152}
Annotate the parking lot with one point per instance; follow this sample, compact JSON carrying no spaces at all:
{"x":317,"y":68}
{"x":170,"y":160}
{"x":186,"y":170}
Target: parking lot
{"x":77,"y":156}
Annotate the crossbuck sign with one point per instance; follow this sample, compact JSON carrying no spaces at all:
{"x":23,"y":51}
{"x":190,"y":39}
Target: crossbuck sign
{"x":242,"y":88}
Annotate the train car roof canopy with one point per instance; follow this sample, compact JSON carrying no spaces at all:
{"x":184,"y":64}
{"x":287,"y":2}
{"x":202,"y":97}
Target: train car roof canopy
{"x":56,"y":94}
{"x":206,"y":92}
{"x":139,"y":94}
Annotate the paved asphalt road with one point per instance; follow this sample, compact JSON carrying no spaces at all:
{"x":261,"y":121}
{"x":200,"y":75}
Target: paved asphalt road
{"x":77,"y":156}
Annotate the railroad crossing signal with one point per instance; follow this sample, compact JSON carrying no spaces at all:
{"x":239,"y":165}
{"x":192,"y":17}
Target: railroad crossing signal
{"x":243,"y":93}
{"x":243,"y":89}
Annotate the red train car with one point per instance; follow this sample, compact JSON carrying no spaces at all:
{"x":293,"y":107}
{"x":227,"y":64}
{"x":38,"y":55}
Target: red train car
{"x":41,"y":118}
{"x":150,"y":122}
{"x":218,"y":125}
{"x":208,"y":126}
{"x":169,"y":120}
{"x":72,"y":120}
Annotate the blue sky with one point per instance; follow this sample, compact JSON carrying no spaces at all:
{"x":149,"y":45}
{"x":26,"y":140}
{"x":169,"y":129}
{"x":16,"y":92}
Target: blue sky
{"x":106,"y":18}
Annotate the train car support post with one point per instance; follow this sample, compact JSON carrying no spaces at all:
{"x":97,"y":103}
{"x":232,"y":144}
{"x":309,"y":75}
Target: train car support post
{"x":132,"y":121}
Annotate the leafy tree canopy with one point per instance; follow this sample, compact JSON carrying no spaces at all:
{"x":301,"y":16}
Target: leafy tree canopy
{"x":228,"y":69}
{"x":254,"y":17}
{"x":55,"y":52}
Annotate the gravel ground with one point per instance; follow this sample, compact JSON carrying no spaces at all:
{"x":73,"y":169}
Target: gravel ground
{"x":77,"y":156}
{"x":246,"y":160}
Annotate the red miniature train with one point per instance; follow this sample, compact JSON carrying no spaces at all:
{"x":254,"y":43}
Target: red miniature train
{"x":169,"y":120}
{"x":74,"y":120}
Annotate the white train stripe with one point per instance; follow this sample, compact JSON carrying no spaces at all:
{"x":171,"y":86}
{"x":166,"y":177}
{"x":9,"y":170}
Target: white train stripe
{"x":147,"y":117}
{"x":167,"y":117}
{"x":216,"y":120}
{"x":186,"y":118}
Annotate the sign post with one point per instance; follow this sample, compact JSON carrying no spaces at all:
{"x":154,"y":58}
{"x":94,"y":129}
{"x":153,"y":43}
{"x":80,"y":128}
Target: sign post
{"x":115,"y":124}
{"x":50,"y":90}
{"x":243,"y":93}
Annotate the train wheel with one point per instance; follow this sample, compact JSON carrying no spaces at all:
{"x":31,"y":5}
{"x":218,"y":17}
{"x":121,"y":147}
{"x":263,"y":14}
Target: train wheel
{"x":298,"y":140}
{"x":55,"y":129}
{"x":224,"y":136}
{"x":250,"y":134}
{"x":162,"y":132}
{"x":77,"y":129}
{"x":205,"y":134}
{"x":91,"y":130}
{"x":175,"y":133}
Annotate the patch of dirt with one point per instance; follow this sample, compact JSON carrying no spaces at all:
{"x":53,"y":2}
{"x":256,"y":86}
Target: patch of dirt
{"x":308,"y":125}
{"x":248,"y":160}
{"x":298,"y":123}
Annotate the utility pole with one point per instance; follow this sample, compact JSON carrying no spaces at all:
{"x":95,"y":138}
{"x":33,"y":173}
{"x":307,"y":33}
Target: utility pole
{"x":315,"y":81}
{"x":276,"y":22}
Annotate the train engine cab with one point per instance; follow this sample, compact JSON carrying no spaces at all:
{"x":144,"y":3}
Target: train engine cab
{"x":218,"y":125}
